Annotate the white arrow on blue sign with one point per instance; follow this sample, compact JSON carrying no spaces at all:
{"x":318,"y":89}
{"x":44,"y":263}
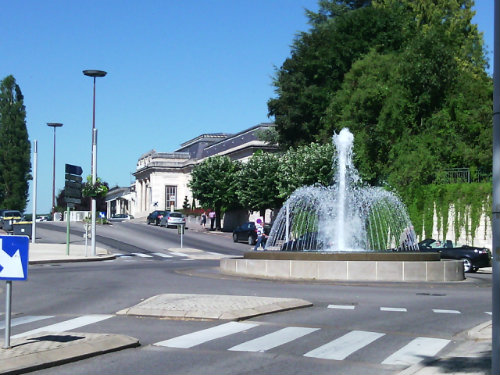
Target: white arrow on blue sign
{"x":14,"y":257}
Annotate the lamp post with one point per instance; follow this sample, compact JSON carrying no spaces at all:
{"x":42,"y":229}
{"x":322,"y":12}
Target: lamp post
{"x":54,"y":125}
{"x":94,"y":74}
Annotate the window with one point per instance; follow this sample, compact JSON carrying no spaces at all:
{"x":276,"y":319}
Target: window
{"x":170,"y":197}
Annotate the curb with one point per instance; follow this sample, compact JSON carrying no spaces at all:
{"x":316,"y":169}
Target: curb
{"x":96,"y":344}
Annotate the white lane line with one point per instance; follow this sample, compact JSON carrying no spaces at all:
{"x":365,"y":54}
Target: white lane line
{"x":439,"y":311}
{"x":209,"y":334}
{"x":67,"y":325}
{"x":24,"y":320}
{"x":162,"y":255}
{"x":400,"y":309}
{"x":342,"y":307}
{"x":416,"y":351}
{"x":488,"y":312}
{"x":273,"y":340}
{"x":344,"y":346}
{"x":142,"y":255}
{"x":179,"y":254}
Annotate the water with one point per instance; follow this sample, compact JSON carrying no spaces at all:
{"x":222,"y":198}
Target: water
{"x":344,"y":217}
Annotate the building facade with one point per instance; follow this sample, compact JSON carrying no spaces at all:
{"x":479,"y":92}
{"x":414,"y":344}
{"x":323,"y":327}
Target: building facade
{"x":162,"y":178}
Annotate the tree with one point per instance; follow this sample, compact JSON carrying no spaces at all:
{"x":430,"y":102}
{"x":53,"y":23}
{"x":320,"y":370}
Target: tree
{"x":214,"y":184}
{"x":257,"y":188}
{"x":15,"y":148}
{"x":319,"y":60}
{"x":308,"y":165}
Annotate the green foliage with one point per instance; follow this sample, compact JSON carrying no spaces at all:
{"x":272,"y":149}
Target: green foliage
{"x":308,"y":165}
{"x":319,"y":59}
{"x":185,"y":204}
{"x":468,"y":202}
{"x":214,"y":184}
{"x":257,"y":189}
{"x":15,"y":160}
{"x":99,"y":189}
{"x":406,"y":77}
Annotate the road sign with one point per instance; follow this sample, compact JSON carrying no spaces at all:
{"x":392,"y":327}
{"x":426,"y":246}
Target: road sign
{"x":73,"y":169}
{"x":73,"y":184}
{"x":14,"y":257}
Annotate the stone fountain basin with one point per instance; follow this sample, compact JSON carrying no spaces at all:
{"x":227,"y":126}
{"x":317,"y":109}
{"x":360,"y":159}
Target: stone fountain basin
{"x":347,"y":266}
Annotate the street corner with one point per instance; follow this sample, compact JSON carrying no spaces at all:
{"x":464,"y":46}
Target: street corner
{"x":47,"y":349}
{"x":211,"y":307}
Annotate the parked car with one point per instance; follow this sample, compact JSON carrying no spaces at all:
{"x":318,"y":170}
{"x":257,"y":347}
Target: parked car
{"x":8,"y":217}
{"x":172,"y":219}
{"x":155,"y":217}
{"x":473,"y":257}
{"x":120,"y":217}
{"x":247,"y":232}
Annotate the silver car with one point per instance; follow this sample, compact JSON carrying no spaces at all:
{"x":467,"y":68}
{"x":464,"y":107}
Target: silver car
{"x":172,"y":219}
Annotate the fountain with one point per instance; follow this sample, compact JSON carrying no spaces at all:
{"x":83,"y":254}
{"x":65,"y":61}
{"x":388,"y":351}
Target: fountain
{"x":346,"y":231}
{"x":345,"y":217}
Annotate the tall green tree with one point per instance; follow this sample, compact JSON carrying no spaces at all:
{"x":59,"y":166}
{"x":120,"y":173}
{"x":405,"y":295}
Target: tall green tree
{"x":319,"y":60}
{"x":15,"y":160}
{"x":257,"y":188}
{"x":214,"y":184}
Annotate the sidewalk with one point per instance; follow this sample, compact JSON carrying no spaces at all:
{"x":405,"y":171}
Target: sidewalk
{"x":47,"y":349}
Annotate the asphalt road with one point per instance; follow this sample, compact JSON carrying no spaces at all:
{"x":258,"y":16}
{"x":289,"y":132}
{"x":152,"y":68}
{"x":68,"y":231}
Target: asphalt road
{"x":392,"y":315}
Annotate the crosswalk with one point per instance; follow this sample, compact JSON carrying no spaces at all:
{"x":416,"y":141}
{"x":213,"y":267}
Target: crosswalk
{"x":337,"y":349}
{"x":321,"y":343}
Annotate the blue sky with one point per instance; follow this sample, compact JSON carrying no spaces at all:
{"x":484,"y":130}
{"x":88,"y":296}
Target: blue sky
{"x":176,"y":69}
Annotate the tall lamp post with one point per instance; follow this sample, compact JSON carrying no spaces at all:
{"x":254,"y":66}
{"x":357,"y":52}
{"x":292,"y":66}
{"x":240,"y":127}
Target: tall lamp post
{"x":94,"y":74}
{"x":54,"y":125}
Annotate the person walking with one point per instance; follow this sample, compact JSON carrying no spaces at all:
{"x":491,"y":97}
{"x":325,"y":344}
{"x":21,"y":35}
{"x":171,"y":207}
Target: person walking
{"x":211,"y":215}
{"x":203,"y":219}
{"x":261,"y":236}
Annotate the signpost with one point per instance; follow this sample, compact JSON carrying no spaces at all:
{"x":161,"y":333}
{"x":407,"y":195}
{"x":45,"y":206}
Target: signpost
{"x":14,"y":266}
{"x":72,"y":193}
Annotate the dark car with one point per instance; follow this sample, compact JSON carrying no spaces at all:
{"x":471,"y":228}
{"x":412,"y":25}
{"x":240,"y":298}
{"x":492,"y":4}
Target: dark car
{"x":308,"y":241}
{"x":120,"y":217}
{"x":155,"y":217}
{"x":473,"y":257}
{"x":247,"y":232}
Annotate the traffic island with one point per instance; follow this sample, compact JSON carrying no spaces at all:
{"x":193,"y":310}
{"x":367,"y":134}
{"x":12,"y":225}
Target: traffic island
{"x":211,"y":307}
{"x":49,"y":349}
{"x":348,"y":266}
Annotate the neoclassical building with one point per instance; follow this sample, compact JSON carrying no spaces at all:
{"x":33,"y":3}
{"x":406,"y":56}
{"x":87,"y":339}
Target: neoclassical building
{"x":161,"y":178}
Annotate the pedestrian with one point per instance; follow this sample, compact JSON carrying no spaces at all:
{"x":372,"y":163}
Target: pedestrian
{"x":211,"y":215}
{"x":203,"y":219}
{"x":261,"y":235}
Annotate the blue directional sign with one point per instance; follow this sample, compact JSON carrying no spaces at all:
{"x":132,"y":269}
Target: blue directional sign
{"x":14,"y":257}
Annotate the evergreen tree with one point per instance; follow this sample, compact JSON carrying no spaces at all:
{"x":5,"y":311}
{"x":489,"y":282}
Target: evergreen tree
{"x":15,"y":160}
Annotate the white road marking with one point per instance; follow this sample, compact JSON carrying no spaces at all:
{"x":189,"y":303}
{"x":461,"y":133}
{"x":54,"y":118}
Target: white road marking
{"x":488,"y":312}
{"x":416,"y":351}
{"x":67,"y":325}
{"x":142,"y":255}
{"x":439,"y":311}
{"x":209,"y":334}
{"x":24,"y":320}
{"x":344,"y":346}
{"x":342,"y":307}
{"x":163,"y":255}
{"x":179,"y":254}
{"x":400,"y":309}
{"x":273,"y":340}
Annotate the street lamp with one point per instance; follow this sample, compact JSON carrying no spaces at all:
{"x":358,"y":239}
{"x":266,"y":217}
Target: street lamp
{"x":94,"y":74}
{"x":54,"y":125}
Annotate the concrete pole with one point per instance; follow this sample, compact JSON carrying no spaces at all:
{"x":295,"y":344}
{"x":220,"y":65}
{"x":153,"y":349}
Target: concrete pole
{"x":34,"y":191}
{"x":495,"y":221}
{"x":94,"y":179}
